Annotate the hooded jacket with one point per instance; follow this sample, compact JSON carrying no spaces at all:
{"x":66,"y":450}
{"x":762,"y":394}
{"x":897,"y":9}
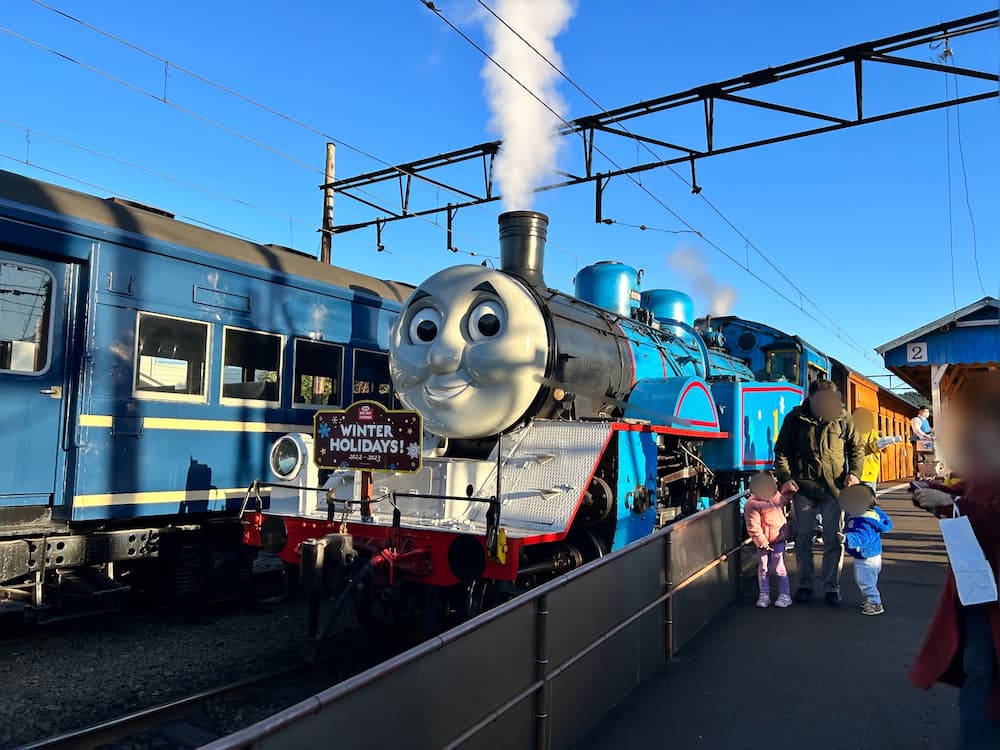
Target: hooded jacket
{"x":817,"y":454}
{"x":863,"y":534}
{"x":765,"y":519}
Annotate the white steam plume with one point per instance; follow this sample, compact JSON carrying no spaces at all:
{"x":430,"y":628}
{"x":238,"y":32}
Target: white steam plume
{"x":688,"y":262}
{"x":527,"y":128}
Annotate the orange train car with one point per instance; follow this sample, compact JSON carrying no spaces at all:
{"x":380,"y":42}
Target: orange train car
{"x":893,"y":417}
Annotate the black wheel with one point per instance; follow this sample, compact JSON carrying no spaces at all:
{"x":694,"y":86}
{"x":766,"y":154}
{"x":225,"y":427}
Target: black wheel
{"x":589,"y":544}
{"x":389,"y":611}
{"x":599,"y":501}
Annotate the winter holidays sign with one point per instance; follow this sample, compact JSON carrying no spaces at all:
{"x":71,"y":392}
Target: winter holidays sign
{"x":368,"y":436}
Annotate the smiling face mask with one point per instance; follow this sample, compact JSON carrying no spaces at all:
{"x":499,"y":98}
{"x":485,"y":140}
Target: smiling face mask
{"x":468,"y":352}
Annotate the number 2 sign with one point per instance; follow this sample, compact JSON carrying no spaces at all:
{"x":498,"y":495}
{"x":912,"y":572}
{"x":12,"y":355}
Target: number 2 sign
{"x":916,"y":351}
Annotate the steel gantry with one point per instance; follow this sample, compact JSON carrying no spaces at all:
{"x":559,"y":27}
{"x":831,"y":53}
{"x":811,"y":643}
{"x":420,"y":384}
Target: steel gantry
{"x":611,"y":124}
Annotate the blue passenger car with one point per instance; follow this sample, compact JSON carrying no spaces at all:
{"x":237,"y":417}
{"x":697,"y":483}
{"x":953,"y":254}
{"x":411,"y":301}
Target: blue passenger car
{"x":146,"y":367}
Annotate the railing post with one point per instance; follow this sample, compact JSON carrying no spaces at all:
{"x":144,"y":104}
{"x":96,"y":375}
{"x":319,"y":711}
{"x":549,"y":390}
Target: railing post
{"x":668,"y":615}
{"x":543,"y":697}
{"x":311,"y":577}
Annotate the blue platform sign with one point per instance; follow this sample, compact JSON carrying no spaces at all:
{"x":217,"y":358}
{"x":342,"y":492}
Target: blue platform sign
{"x":369,"y":437}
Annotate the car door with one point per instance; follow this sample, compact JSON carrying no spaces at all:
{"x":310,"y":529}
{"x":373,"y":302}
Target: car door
{"x":34,"y":298}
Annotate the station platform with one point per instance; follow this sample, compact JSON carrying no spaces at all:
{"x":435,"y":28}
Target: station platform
{"x":807,"y":676}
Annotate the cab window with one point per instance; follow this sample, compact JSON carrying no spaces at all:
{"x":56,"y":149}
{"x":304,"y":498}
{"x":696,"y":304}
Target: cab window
{"x":170,"y":358}
{"x":25,"y":309}
{"x":318,"y":368}
{"x":783,"y":364}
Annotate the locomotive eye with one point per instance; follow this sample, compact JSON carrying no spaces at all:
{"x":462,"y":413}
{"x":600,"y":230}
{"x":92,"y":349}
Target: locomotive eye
{"x":424,"y":326}
{"x":485,"y":321}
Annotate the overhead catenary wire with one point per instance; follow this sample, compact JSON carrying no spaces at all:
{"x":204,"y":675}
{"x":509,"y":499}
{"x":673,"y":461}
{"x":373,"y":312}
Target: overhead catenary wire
{"x":297,"y":122}
{"x":965,"y":184}
{"x":148,"y":170}
{"x":94,"y":186}
{"x":699,"y":191}
{"x":34,"y":164}
{"x":951,"y":223}
{"x":208,"y":121}
{"x":834,"y":328}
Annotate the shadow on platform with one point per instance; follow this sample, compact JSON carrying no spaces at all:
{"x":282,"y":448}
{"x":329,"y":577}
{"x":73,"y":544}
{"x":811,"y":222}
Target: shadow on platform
{"x":808,"y":677}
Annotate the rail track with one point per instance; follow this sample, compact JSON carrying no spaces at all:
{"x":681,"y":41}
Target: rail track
{"x":188,"y":721}
{"x":152,"y":717}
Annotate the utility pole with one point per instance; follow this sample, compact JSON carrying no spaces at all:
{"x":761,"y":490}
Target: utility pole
{"x":326,"y":241}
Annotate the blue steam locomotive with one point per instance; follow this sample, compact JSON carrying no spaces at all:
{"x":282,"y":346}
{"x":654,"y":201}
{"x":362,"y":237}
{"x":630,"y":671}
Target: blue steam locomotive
{"x":561,"y":427}
{"x":146,"y":367}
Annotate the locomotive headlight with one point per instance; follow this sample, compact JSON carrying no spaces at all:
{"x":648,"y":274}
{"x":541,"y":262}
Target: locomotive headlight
{"x":288,"y":455}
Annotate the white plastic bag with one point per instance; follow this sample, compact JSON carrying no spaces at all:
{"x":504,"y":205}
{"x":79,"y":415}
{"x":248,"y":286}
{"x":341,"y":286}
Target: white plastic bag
{"x":973,"y":575}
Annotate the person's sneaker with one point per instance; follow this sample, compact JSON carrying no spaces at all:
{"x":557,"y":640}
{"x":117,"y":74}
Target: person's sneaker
{"x":833,"y":599}
{"x":804,"y":596}
{"x":764,"y":601}
{"x":784,"y":600}
{"x":872,"y":608}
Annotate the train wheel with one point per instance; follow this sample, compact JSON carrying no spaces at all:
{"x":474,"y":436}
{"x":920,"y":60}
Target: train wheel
{"x":589,"y":544}
{"x":599,"y":501}
{"x":389,"y":610}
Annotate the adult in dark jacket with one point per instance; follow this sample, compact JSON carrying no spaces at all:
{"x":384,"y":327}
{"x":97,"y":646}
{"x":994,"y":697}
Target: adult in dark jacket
{"x":817,"y":454}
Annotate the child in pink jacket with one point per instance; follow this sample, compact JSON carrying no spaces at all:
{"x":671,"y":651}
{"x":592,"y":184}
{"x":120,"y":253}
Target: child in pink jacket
{"x":767,"y":525}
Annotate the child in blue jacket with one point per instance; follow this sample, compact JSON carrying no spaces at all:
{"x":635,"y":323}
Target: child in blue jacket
{"x":866,"y":523}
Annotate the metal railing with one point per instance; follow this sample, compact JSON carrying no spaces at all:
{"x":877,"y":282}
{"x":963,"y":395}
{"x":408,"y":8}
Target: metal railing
{"x":539,"y":670}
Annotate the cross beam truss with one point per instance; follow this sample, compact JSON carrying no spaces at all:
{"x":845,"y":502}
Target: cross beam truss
{"x":611,"y":124}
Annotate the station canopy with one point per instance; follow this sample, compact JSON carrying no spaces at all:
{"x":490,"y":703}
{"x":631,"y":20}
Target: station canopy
{"x":936,"y":359}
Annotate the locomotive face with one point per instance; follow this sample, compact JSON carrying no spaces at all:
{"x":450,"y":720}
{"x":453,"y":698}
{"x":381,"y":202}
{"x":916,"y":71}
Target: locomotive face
{"x":468,"y":352}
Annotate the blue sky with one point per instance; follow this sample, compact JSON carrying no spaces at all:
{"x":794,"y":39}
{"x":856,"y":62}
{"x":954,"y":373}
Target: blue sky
{"x":858,"y":219}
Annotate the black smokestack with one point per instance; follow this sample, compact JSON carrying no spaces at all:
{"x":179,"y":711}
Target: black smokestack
{"x":522,"y":244}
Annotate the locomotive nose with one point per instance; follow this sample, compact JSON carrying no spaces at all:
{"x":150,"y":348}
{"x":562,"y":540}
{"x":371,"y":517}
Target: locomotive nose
{"x":445,"y":356}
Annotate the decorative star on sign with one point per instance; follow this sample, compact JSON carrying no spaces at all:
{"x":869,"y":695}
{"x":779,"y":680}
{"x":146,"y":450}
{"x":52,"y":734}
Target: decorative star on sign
{"x":324,"y":430}
{"x":413,"y":450}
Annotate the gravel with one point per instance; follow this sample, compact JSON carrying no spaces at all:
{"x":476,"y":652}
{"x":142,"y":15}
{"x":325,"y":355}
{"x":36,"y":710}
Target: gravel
{"x":73,"y":678}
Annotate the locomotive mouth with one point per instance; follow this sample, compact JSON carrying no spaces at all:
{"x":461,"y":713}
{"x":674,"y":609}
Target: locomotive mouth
{"x":442,"y":393}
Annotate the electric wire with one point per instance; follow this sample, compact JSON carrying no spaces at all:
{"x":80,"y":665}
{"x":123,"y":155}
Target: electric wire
{"x":170,"y":64}
{"x":951,"y":225}
{"x":965,"y":183}
{"x":206,"y":120}
{"x":835,"y":330}
{"x":699,"y":191}
{"x":145,"y":92}
{"x":34,"y":164}
{"x":156,"y":173}
{"x":94,"y":186}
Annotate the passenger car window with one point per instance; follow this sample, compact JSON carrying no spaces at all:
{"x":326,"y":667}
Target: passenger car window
{"x":371,"y":378}
{"x":318,"y":368}
{"x":170,"y":357}
{"x":251,"y":364}
{"x":25,"y":309}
